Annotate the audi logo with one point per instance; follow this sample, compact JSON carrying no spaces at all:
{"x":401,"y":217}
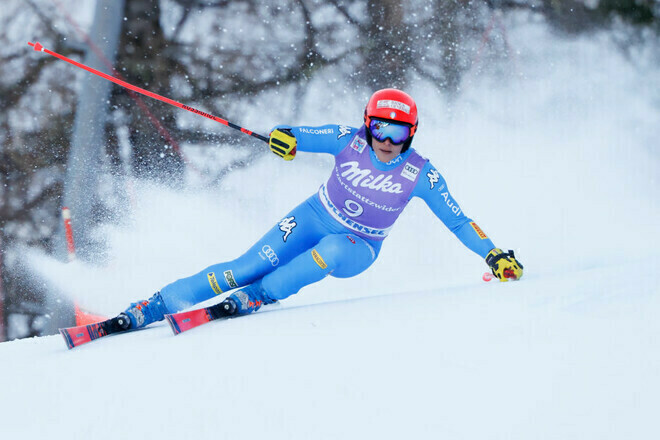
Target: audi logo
{"x":271,"y":255}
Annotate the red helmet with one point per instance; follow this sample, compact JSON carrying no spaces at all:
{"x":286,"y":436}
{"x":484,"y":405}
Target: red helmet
{"x":394,"y":105}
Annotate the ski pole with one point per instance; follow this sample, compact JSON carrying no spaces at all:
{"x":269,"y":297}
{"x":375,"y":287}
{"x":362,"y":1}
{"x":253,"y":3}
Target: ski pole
{"x":38,"y":47}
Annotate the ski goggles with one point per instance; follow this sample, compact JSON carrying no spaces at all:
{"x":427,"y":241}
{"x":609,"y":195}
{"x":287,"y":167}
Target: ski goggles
{"x":381,"y":130}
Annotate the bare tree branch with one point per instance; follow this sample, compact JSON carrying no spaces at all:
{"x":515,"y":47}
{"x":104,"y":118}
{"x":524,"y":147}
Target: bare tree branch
{"x":349,"y":18}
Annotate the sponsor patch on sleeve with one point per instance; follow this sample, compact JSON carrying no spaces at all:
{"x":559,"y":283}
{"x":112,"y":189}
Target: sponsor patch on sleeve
{"x":214,"y":283}
{"x":478,"y":230}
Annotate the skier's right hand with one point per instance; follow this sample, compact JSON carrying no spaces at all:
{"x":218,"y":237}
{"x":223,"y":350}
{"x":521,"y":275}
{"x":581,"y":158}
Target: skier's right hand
{"x":283,"y":143}
{"x":504,"y":265}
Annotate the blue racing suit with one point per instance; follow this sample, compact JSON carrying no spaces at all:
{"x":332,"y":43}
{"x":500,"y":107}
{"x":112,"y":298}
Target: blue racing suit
{"x":330,"y":235}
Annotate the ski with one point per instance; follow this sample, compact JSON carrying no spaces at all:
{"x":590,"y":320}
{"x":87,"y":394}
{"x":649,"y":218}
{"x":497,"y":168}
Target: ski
{"x":183,"y":321}
{"x":76,"y":336}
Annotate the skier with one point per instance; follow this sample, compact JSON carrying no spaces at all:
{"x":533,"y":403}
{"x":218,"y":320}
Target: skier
{"x":338,"y":231}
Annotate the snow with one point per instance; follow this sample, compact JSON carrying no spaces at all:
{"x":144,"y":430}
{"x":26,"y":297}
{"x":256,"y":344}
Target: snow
{"x":568,"y":357}
{"x":561,"y":165}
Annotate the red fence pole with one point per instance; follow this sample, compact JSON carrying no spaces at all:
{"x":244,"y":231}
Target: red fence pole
{"x":68,"y":231}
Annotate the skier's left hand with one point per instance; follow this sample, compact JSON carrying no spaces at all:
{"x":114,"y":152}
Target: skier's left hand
{"x":504,"y":265}
{"x":283,"y":143}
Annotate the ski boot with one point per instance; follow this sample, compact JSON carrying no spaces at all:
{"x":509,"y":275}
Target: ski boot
{"x":143,"y":313}
{"x":246,"y":300}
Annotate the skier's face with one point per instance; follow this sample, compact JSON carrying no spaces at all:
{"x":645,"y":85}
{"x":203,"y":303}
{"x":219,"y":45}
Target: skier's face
{"x":386,"y":151}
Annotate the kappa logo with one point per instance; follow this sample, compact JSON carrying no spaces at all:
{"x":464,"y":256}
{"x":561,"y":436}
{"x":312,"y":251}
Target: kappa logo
{"x":286,"y":225}
{"x":434,"y":177}
{"x":343,"y":131}
{"x":271,"y":255}
{"x":229,"y":277}
{"x":410,"y":172}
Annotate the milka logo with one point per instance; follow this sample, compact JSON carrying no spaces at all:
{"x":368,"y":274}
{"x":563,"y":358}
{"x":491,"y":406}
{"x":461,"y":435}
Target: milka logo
{"x":365,"y":179}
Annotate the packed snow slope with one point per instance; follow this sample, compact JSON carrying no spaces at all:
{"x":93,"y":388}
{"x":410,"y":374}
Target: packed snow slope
{"x":559,"y":163}
{"x":554,"y":357}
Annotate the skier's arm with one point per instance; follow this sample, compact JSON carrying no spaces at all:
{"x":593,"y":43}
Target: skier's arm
{"x":286,"y":140}
{"x":432,"y":188}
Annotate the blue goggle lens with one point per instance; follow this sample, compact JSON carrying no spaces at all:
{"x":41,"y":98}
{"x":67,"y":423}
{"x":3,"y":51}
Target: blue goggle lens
{"x":382,"y":130}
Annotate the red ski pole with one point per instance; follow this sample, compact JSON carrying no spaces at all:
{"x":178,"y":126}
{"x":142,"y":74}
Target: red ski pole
{"x":38,"y":47}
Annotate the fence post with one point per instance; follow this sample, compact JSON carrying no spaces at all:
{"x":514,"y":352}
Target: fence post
{"x":88,"y":139}
{"x":87,"y":147}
